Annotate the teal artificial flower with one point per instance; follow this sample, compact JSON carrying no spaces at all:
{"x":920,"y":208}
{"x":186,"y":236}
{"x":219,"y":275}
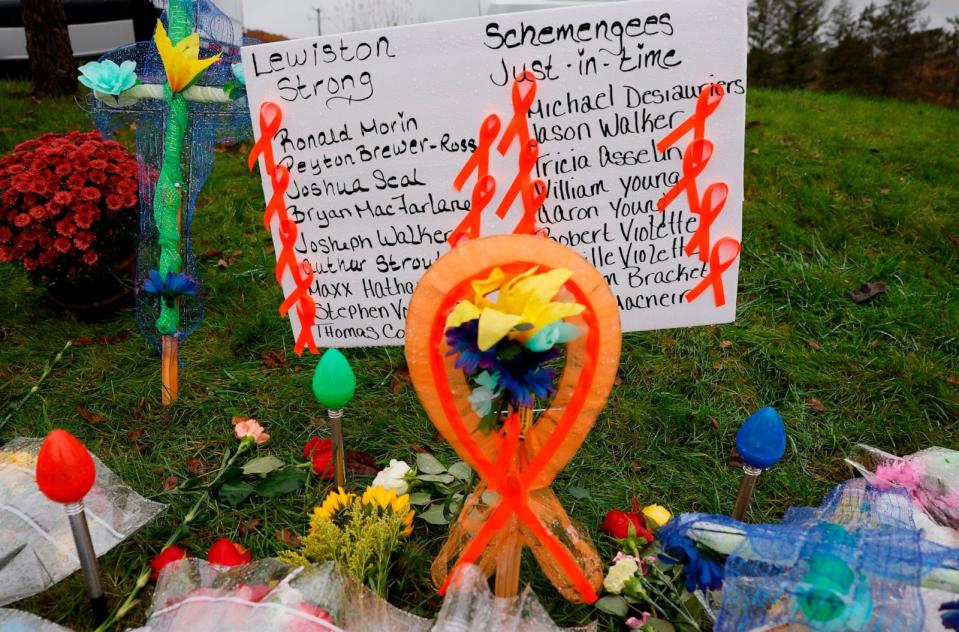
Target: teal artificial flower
{"x":556,"y":333}
{"x":107,"y":77}
{"x":238,"y":74}
{"x":482,"y":397}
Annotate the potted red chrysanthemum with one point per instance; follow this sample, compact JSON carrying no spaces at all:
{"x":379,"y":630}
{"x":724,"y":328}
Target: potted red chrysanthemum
{"x":68,"y":214}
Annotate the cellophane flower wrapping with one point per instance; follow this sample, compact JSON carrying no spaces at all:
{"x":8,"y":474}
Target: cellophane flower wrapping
{"x":853,"y":563}
{"x":192,"y":594}
{"x":18,"y":621}
{"x":36,"y":544}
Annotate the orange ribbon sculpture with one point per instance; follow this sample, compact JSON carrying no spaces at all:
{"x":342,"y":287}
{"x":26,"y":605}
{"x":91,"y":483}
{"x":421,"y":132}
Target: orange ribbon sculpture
{"x":518,"y":463}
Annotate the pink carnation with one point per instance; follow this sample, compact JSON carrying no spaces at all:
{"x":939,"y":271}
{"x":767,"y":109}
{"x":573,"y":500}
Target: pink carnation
{"x":250,"y":428}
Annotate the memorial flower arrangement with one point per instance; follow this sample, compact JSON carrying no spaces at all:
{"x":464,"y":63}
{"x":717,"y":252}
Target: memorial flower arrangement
{"x":359,"y":532}
{"x":650,"y":582}
{"x":68,"y":206}
{"x":506,"y":338}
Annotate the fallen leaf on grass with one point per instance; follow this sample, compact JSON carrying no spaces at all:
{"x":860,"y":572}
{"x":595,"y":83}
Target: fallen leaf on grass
{"x":101,"y":340}
{"x":90,"y":416}
{"x":135,"y":435}
{"x":417,"y":448}
{"x":211,"y":253}
{"x":953,"y":379}
{"x":713,"y":422}
{"x":816,"y":405}
{"x":170,"y":483}
{"x":725,"y":344}
{"x":752,"y":124}
{"x":288,"y":538}
{"x":636,"y":466}
{"x":401,"y":377}
{"x":754,"y":150}
{"x":274,"y":360}
{"x":196,"y":466}
{"x":867,"y":291}
{"x":634,"y":505}
{"x":815,"y":346}
{"x":249,"y":525}
{"x":228,"y":260}
{"x":954,"y":239}
{"x":361,"y":463}
{"x":884,"y":190}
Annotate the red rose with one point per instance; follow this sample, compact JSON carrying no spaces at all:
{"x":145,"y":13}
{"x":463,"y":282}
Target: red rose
{"x":167,"y":555}
{"x":227,"y":553}
{"x":90,"y":257}
{"x":320,"y":451}
{"x":616,"y":525}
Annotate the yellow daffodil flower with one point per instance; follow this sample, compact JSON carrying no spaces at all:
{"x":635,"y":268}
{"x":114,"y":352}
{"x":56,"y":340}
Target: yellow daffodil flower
{"x":181,"y":62}
{"x":524,"y":305}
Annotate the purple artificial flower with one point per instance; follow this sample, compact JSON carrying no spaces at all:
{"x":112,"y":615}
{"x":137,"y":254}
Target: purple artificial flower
{"x":463,"y":342}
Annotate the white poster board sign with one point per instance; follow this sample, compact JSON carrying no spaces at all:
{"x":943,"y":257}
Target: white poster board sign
{"x":377,"y":124}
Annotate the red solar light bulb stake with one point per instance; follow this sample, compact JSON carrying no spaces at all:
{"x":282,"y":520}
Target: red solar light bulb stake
{"x":65,"y":473}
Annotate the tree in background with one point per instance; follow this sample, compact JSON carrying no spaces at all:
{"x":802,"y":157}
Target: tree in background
{"x":796,"y":33}
{"x":762,"y":55}
{"x":891,"y":32}
{"x":48,"y":46}
{"x":848,"y":58}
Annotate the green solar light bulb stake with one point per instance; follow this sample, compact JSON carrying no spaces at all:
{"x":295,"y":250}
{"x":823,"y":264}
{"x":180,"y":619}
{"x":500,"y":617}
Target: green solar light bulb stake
{"x":333,"y":386}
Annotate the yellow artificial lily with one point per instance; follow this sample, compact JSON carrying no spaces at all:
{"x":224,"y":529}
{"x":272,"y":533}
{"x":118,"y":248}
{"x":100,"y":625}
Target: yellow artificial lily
{"x":181,"y":62}
{"x":525,"y":300}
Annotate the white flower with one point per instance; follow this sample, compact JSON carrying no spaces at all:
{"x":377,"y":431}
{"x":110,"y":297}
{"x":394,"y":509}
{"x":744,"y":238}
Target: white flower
{"x":620,"y":573}
{"x":393,"y":477}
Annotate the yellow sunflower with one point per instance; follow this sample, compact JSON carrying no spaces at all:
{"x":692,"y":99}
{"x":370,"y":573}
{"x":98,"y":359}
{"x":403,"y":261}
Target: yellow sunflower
{"x":335,"y":502}
{"x":386,"y":500}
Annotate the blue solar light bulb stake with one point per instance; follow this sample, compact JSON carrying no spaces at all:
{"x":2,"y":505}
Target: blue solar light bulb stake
{"x":761,"y":442}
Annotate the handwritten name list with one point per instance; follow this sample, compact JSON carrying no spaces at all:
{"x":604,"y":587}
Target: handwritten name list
{"x":376,"y":125}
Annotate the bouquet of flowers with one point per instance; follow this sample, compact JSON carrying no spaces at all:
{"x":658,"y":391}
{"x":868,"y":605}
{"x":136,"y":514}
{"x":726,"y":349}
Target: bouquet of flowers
{"x":358,"y":532}
{"x":507,"y":338}
{"x":68,"y":206}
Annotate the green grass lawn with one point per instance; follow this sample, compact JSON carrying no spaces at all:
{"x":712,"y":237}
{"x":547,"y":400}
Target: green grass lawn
{"x":839,"y":190}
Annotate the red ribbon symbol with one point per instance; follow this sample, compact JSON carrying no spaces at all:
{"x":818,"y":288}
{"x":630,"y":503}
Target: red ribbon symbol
{"x":717,"y":265}
{"x":470,"y":226}
{"x":533,"y":193}
{"x":271,"y":117}
{"x":517,"y":464}
{"x":709,"y":99}
{"x":714,"y":199}
{"x":522,"y":102}
{"x":485,"y":185}
{"x":694,"y":162}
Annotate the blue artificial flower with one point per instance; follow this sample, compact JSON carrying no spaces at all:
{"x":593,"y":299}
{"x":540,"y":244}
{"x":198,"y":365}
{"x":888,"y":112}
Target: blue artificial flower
{"x":173,"y":286}
{"x":239,"y":74}
{"x":556,"y":333}
{"x":463,"y":343}
{"x":108,"y":78}
{"x":701,"y":571}
{"x":523,"y":376}
{"x":950,"y":615}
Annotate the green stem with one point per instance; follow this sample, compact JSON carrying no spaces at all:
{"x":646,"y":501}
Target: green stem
{"x":679,"y":608}
{"x":36,"y":387}
{"x":167,"y":195}
{"x":182,"y":529}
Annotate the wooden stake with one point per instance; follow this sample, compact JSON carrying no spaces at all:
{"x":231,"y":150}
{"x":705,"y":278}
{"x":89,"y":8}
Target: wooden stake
{"x":170,"y":344}
{"x":339,"y":447}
